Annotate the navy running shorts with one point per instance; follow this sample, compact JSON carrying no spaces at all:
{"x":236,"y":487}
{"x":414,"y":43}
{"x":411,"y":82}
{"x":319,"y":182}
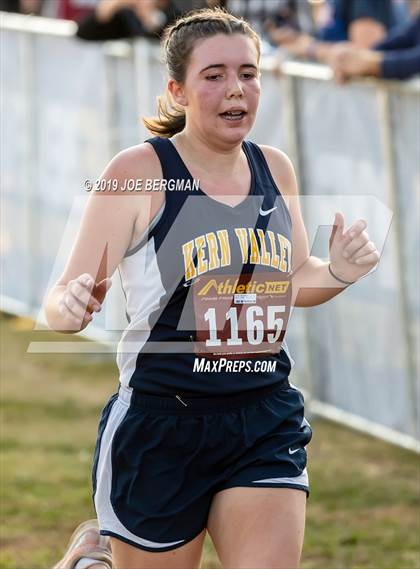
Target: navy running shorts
{"x":159,"y":461}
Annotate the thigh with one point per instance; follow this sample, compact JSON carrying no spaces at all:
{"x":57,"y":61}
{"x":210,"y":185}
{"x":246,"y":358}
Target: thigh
{"x":188,"y":556}
{"x":258,"y":527}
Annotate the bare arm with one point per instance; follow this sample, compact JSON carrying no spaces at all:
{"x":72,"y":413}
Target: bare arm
{"x":363,"y":33}
{"x":103,"y":238}
{"x":311,"y":279}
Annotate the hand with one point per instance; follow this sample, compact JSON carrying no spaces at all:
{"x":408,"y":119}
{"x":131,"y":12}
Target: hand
{"x":149,"y":14}
{"x":283,"y":35}
{"x":348,"y":61}
{"x":30,"y":7}
{"x":81,"y":297}
{"x":352,"y":254}
{"x":300,"y":45}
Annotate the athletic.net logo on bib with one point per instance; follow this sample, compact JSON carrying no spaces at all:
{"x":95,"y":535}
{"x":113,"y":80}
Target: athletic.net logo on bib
{"x":241,"y":316}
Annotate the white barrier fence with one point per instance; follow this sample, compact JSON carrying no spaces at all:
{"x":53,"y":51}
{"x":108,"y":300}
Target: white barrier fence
{"x":69,"y":106}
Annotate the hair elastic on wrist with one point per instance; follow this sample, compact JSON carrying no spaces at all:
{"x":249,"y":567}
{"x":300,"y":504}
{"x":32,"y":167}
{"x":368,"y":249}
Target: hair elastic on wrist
{"x":336,"y":278}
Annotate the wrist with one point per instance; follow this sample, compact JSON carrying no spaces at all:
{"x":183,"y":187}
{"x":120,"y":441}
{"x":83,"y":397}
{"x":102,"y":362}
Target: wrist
{"x":318,"y":51}
{"x":338,"y":277}
{"x":374,"y":63}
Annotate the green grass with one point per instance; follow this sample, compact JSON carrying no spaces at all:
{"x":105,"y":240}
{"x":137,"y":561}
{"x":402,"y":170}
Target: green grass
{"x":364,"y":506}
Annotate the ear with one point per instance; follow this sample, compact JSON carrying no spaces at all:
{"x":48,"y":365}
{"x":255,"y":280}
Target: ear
{"x":177,"y":91}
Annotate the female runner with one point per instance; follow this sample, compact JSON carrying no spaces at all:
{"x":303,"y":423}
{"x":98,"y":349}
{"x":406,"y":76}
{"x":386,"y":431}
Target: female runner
{"x":205,"y":433}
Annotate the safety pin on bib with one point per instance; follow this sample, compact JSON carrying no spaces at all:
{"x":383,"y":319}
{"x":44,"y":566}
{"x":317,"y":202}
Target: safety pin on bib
{"x":179,"y":398}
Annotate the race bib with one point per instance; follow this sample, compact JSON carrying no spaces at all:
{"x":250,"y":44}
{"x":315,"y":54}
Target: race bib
{"x":241,"y":316}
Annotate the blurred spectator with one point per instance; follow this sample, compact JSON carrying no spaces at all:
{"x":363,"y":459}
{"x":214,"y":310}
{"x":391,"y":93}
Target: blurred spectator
{"x":22,"y":6}
{"x":118,"y":19}
{"x":396,"y":57}
{"x":361,"y":22}
{"x":265,"y":14}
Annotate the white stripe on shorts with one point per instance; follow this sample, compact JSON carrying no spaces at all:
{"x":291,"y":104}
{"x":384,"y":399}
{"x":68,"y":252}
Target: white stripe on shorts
{"x":107,"y":519}
{"x":301,"y":480}
{"x":286,"y":349}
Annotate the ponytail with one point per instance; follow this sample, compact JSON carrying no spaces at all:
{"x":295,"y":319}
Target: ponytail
{"x":170,"y":118}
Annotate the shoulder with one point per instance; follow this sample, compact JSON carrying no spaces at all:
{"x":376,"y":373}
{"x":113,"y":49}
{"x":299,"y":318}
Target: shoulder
{"x":125,"y":175}
{"x":139,"y":161}
{"x":281,"y":168}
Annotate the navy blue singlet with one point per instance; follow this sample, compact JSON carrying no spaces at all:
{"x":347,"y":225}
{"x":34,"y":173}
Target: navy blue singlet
{"x":208,"y":288}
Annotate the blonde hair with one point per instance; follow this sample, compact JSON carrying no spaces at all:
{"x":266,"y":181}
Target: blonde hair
{"x":178,"y":43}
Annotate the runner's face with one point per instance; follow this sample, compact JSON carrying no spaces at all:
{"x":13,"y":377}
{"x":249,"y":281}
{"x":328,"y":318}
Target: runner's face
{"x":222,"y":75}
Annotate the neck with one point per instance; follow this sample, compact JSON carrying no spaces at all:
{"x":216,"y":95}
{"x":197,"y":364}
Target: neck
{"x":223,"y":158}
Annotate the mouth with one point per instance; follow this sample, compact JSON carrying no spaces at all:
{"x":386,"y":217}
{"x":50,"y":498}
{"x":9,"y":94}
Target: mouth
{"x":233,"y":116}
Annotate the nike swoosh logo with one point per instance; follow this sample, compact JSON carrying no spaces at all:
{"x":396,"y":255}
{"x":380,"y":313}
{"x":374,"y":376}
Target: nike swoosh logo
{"x":192,"y":281}
{"x":267,"y":211}
{"x":292,"y":451}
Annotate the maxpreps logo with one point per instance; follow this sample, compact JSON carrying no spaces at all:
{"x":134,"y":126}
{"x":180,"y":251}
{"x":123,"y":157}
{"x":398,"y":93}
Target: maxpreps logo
{"x":202,"y":365}
{"x":228,"y":286}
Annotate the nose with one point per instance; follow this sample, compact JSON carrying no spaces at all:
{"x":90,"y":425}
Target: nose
{"x":234,"y":88}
